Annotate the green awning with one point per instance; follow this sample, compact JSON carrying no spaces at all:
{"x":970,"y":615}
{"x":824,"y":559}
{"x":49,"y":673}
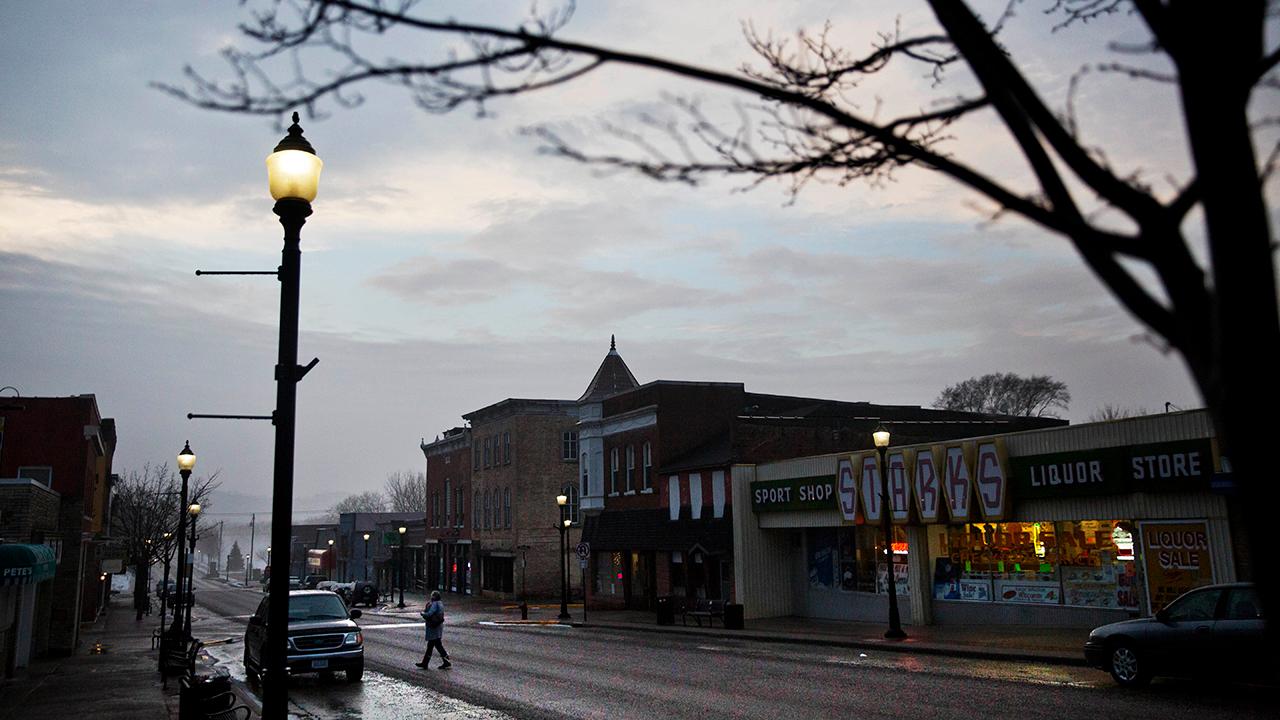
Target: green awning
{"x":26,"y":564}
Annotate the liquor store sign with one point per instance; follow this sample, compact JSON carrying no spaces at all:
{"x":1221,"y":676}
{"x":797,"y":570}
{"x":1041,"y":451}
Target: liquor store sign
{"x":1160,"y":467}
{"x":807,"y":493}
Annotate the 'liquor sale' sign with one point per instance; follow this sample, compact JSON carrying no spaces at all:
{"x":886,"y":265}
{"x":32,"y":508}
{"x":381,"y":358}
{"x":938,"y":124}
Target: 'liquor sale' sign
{"x":1177,"y":559}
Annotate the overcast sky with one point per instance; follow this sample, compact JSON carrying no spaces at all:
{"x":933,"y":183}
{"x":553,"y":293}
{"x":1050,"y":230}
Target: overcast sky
{"x":448,"y":265}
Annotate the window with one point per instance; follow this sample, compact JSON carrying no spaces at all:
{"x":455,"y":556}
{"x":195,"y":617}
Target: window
{"x":461,"y":514}
{"x":506,"y":448}
{"x":646,"y":479}
{"x":475,"y":457}
{"x":586,"y":485}
{"x":1243,"y":604}
{"x":42,"y":474}
{"x":568,"y":445}
{"x":497,"y":450}
{"x":435,"y":509}
{"x":506,"y":507}
{"x":695,"y":496}
{"x":631,"y":468}
{"x":475,"y":512}
{"x":673,"y":496}
{"x":487,"y":517}
{"x":448,"y":506}
{"x":613,"y":471}
{"x":497,"y":573}
{"x":571,"y":506}
{"x":1200,"y":605}
{"x":486,"y":452}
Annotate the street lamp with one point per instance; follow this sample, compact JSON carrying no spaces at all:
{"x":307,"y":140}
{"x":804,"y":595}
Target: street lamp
{"x":366,"y":557}
{"x":401,"y":568}
{"x":563,"y":502}
{"x":186,"y":463}
{"x":881,"y":439}
{"x":194,"y":511}
{"x":293,"y":177}
{"x":333,"y":561}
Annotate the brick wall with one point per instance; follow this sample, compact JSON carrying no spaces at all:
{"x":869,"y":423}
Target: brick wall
{"x":28,"y":511}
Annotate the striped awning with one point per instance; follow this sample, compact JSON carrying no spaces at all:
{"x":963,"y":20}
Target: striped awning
{"x":26,"y":564}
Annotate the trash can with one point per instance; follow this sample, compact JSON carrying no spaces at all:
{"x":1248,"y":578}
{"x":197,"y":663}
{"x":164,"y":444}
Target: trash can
{"x":733,"y":616}
{"x":666,"y":611}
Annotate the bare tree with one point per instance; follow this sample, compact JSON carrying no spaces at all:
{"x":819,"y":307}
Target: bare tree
{"x":1110,"y":412}
{"x":406,"y":491}
{"x":144,"y":517}
{"x":1006,"y":394}
{"x":369,"y":501}
{"x":1215,"y":313}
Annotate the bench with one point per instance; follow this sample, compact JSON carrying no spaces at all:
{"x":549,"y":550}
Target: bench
{"x":179,"y":660}
{"x":699,"y":609}
{"x":223,"y":706}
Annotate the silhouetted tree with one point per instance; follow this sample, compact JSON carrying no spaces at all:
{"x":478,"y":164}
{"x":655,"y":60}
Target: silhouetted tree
{"x":1006,"y":394}
{"x":1215,"y":313}
{"x":1110,"y":412}
{"x":406,"y":492}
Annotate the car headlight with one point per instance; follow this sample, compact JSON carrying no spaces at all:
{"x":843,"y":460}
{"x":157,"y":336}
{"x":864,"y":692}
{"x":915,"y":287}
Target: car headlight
{"x":353,"y":638}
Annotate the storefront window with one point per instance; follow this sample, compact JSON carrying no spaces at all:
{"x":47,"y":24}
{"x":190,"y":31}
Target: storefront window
{"x":609,"y":574}
{"x":1086,"y":563}
{"x":856,"y":554}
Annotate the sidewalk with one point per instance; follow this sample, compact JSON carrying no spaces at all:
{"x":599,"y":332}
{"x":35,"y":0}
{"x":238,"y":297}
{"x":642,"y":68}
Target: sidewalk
{"x":121,"y":682}
{"x":1021,"y":643}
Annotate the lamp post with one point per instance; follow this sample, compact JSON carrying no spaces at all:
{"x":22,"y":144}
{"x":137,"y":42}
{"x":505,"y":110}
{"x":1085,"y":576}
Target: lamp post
{"x":189,"y":598}
{"x":333,"y":561}
{"x":366,"y":557}
{"x":186,"y":463}
{"x":168,"y":555}
{"x":881,"y":438}
{"x":563,"y":527}
{"x":293,"y":176}
{"x":400,"y":569}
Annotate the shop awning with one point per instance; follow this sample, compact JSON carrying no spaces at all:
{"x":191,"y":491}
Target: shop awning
{"x":26,"y":564}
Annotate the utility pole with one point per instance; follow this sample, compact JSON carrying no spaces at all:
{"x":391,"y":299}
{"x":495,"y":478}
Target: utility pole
{"x":248,"y":567}
{"x":222,"y":558}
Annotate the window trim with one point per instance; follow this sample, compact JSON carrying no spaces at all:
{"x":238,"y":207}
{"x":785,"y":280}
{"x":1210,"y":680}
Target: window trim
{"x":506,"y":506}
{"x":506,"y":447}
{"x":631,"y":469}
{"x":613,"y":471}
{"x":47,"y":468}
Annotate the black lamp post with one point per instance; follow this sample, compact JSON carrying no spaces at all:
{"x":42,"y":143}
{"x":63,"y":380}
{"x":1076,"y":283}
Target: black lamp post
{"x":186,"y":463}
{"x":190,"y":597}
{"x":400,"y":566}
{"x":881,"y":438}
{"x":563,"y":527}
{"x":167,"y":549}
{"x":293,"y":175}
{"x":366,"y":557}
{"x":333,"y":561}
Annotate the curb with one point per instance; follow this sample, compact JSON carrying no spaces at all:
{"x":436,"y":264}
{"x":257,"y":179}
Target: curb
{"x":903,"y":647}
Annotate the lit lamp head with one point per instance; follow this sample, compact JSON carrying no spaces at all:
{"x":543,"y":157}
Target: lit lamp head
{"x":366,"y":537}
{"x":293,"y":169}
{"x":561,"y":500}
{"x":403,"y":529}
{"x":881,"y":436}
{"x":330,"y":542}
{"x":186,"y":459}
{"x":193,"y":509}
{"x":567,"y":522}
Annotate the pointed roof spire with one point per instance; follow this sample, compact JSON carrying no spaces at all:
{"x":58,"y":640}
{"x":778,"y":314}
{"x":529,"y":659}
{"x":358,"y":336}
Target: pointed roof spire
{"x":611,"y":378}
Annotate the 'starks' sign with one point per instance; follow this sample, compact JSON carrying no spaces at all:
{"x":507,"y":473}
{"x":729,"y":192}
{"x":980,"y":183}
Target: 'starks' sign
{"x":990,"y":478}
{"x":899,"y":474}
{"x":868,"y":466}
{"x":809,"y":493}
{"x":1160,"y":467}
{"x":848,"y":486}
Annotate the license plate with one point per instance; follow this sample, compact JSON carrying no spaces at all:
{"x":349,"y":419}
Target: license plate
{"x":319,"y":664}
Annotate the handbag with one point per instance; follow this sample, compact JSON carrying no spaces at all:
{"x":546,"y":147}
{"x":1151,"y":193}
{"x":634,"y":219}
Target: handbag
{"x":435,"y":620}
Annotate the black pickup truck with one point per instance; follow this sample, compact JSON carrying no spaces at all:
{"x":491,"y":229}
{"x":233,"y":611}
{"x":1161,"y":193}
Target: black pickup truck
{"x":322,"y":636}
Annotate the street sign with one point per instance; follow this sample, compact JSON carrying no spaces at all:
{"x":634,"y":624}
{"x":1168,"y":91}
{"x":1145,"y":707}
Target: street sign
{"x":583,"y":550}
{"x":582,"y":563}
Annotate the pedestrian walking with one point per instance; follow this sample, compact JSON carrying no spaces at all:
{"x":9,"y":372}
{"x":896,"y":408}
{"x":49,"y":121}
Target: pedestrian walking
{"x":433,"y":614}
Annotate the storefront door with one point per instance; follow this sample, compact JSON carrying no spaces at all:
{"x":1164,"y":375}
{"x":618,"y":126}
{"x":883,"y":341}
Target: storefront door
{"x":641,"y":581}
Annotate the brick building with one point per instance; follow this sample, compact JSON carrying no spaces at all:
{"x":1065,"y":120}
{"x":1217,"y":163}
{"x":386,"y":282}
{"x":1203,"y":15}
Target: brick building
{"x":493,"y":519}
{"x":64,"y":445}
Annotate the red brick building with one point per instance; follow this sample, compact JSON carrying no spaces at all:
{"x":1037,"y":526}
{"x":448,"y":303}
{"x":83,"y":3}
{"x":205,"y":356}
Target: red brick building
{"x":63,"y":444}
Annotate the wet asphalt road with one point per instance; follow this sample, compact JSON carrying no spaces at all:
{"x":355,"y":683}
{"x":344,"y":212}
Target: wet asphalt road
{"x":558,"y":672}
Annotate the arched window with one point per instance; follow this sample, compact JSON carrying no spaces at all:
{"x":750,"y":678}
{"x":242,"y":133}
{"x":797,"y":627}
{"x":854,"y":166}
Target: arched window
{"x":613,"y":471}
{"x":506,"y":507}
{"x":475,"y":512}
{"x":461,"y":515}
{"x":586,"y":477}
{"x":631,"y":468}
{"x":487,"y":517}
{"x":448,"y":506}
{"x":571,"y":506}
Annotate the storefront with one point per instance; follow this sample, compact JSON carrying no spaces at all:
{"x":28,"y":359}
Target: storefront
{"x":1070,"y":526}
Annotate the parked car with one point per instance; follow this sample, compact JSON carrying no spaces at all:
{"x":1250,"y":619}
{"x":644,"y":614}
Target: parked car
{"x":364,"y":592}
{"x":322,"y":637}
{"x":295,"y":583}
{"x":312,"y":580}
{"x":1212,"y":630}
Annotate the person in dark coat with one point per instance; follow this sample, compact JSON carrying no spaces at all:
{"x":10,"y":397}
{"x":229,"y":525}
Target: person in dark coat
{"x":433,"y":614}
